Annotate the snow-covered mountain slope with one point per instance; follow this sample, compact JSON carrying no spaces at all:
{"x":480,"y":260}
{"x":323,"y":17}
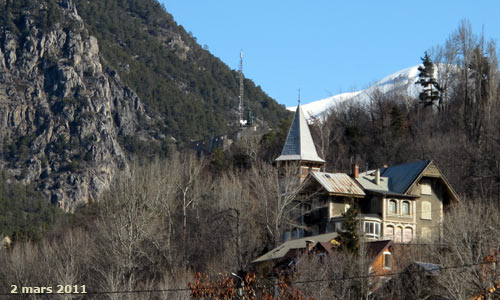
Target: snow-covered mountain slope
{"x":401,"y":82}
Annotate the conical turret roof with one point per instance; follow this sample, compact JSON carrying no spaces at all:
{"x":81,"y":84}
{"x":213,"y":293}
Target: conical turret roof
{"x":299,"y":145}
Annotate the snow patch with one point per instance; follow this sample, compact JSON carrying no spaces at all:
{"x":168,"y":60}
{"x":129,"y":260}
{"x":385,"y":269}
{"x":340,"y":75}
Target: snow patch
{"x":402,"y":82}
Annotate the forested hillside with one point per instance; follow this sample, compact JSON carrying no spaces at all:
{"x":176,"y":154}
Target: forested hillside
{"x":193,"y":94}
{"x":459,"y":130}
{"x":72,"y":105}
{"x":87,"y":85}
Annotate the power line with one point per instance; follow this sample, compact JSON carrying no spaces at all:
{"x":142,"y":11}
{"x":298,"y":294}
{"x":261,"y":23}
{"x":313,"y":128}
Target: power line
{"x":392,"y":274}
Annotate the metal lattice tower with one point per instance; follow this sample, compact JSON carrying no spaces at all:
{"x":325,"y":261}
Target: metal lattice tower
{"x":240,"y":106}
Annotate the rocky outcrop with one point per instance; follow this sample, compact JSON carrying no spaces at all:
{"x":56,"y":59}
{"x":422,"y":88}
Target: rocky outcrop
{"x":61,"y":109}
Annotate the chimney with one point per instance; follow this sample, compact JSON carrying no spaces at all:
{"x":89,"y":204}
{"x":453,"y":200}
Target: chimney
{"x":309,"y":245}
{"x":355,"y":171}
{"x":377,"y":177}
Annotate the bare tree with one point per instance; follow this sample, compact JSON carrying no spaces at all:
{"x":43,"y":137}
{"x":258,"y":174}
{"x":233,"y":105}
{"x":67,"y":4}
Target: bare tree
{"x":337,"y":275}
{"x":188,"y":169}
{"x":130,"y":229}
{"x":469,"y":241}
{"x":278,"y":190}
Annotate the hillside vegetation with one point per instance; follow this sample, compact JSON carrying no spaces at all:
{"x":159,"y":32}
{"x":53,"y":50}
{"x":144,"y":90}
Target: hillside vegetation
{"x":193,"y":93}
{"x":459,"y":130}
{"x":164,"y":219}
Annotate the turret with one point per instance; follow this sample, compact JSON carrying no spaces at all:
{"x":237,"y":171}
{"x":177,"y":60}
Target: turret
{"x":299,"y":147}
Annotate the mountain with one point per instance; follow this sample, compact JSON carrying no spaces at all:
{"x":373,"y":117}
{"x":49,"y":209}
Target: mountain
{"x":401,"y":83}
{"x":86,"y":84}
{"x":191,"y":93}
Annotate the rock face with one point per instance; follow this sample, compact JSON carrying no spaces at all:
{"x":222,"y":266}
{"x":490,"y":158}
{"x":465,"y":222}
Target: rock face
{"x":62,"y":110}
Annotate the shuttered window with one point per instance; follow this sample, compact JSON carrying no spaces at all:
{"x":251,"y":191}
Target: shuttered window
{"x":398,"y":235}
{"x":426,"y":235}
{"x":425,"y":188}
{"x":426,"y":210}
{"x":389,"y":232}
{"x":407,"y":234}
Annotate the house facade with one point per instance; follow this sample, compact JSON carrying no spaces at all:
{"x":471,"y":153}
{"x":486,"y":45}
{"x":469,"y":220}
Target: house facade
{"x":403,"y":203}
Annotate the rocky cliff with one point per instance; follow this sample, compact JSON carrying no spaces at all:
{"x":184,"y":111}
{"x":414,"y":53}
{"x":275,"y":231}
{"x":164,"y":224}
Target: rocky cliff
{"x":86,"y":84}
{"x":62,"y":111}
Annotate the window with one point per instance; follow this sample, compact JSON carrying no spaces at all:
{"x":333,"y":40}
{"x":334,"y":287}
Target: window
{"x":393,"y":207}
{"x":330,"y":227}
{"x":338,"y":226}
{"x":389,"y":232}
{"x":315,"y":229}
{"x":407,"y":234}
{"x":426,"y":234}
{"x":286,"y":236}
{"x":387,"y":260}
{"x":331,"y":210}
{"x":425,"y":188}
{"x":398,"y":235}
{"x":346,"y":208}
{"x":405,"y":208}
{"x":426,"y":210}
{"x":372,"y":229}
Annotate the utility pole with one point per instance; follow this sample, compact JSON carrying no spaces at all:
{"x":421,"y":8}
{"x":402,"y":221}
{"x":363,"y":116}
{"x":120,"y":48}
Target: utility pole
{"x":240,"y":106}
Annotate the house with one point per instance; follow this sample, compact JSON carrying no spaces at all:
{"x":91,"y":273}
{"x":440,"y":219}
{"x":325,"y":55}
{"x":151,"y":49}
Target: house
{"x":403,"y":203}
{"x":283,"y":258}
{"x":285,"y":254}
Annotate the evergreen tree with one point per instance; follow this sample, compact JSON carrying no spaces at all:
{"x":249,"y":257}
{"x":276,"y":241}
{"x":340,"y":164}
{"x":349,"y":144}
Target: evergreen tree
{"x":431,"y":90}
{"x":349,"y":237}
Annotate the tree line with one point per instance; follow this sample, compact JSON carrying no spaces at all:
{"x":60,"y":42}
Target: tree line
{"x":174,"y":216}
{"x":456,"y":127}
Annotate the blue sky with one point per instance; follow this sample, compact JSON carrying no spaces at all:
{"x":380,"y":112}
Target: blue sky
{"x":325,"y":47}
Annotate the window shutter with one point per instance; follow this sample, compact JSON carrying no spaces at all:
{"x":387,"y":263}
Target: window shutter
{"x":426,"y":210}
{"x":407,"y":234}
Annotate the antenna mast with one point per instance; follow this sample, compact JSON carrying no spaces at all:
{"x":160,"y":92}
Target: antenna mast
{"x":240,"y":107}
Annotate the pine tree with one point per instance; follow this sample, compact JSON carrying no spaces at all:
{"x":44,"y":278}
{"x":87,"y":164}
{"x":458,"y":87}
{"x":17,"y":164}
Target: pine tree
{"x":431,"y":89}
{"x":349,"y":237}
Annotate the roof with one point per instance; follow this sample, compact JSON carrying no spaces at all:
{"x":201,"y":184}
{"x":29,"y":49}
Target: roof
{"x":401,"y":177}
{"x":299,"y":144}
{"x":375,"y":248}
{"x":282,"y":250}
{"x":338,"y":183}
{"x":367,"y":181}
{"x":433,"y":269}
{"x":394,"y":180}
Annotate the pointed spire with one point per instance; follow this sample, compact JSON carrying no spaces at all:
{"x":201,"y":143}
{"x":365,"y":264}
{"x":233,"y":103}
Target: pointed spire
{"x":299,"y":144}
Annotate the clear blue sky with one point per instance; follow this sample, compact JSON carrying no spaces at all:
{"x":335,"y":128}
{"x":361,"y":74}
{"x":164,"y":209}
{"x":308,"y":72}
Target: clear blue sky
{"x":325,"y":47}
